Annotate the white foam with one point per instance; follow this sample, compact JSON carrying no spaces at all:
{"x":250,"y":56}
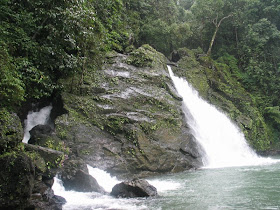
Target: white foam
{"x":103,"y":178}
{"x":92,"y":200}
{"x":163,"y":186}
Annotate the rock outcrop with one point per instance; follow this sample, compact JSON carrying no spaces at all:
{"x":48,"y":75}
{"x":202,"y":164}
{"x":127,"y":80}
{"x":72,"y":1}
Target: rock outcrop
{"x":27,"y":171}
{"x":127,"y":118}
{"x":75,"y":176}
{"x":17,"y":179}
{"x":134,"y":188}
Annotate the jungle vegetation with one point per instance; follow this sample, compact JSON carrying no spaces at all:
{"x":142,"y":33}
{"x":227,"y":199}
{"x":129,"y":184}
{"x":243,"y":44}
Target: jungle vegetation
{"x":42,"y":41}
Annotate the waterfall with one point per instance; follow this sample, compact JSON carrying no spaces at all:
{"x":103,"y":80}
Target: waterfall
{"x":36,"y":118}
{"x":223,"y":142}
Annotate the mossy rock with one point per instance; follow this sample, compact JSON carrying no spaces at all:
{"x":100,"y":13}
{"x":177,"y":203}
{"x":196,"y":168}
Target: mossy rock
{"x":145,"y":56}
{"x":16,"y":180}
{"x":127,"y":116}
{"x":11,"y":132}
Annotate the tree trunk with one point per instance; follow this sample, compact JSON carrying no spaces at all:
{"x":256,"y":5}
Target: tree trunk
{"x":212,"y":41}
{"x":217,"y":25}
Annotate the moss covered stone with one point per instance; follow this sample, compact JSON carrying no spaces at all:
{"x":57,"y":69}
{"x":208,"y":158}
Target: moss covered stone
{"x":11,"y":132}
{"x":145,"y":56}
{"x":130,"y":120}
{"x":16,"y":180}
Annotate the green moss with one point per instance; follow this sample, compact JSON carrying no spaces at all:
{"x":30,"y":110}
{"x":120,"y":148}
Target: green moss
{"x":145,"y":56}
{"x":11,"y":132}
{"x":38,"y":161}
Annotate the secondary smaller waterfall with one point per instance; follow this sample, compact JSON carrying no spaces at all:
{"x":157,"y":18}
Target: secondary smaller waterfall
{"x":224,"y":144}
{"x":36,"y":118}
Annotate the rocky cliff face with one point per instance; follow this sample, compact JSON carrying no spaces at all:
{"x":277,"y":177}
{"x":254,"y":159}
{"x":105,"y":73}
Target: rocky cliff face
{"x":127,"y":118}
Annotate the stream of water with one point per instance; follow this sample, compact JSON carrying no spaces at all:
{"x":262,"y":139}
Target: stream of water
{"x":234,"y":177}
{"x":40,"y":117}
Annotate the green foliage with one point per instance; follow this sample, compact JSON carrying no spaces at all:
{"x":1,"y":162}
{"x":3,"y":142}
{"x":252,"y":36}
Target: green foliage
{"x":11,"y":132}
{"x":43,"y":42}
{"x":49,"y":40}
{"x":272,"y":114}
{"x":11,"y":85}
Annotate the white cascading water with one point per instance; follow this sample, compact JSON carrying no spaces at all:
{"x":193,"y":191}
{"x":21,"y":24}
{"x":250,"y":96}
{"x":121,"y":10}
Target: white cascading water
{"x":223,"y":142}
{"x":36,"y":118}
{"x":93,"y":200}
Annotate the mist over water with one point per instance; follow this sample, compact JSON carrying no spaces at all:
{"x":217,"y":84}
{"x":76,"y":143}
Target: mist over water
{"x":223,"y":142}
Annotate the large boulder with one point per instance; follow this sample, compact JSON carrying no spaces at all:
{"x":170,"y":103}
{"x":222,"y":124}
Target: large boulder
{"x":75,"y":176}
{"x":134,"y":188}
{"x":39,"y":134}
{"x":127,"y":117}
{"x":45,"y":136}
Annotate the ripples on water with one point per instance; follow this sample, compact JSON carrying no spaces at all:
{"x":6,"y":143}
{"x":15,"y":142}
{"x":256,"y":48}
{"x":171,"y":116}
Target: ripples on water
{"x":254,"y":187}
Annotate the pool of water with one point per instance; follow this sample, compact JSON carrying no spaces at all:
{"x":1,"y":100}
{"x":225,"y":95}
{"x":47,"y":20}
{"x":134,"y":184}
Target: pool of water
{"x":250,"y":187}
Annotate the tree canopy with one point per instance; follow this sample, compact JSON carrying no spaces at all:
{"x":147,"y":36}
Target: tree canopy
{"x":43,"y":41}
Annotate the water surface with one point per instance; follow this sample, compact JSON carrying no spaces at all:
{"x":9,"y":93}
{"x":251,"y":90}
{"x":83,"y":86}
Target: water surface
{"x":255,"y":187}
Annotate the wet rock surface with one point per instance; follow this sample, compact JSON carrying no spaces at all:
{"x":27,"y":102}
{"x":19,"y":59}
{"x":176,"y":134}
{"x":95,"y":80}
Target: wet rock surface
{"x":134,"y":188}
{"x":75,"y":176}
{"x":127,"y":120}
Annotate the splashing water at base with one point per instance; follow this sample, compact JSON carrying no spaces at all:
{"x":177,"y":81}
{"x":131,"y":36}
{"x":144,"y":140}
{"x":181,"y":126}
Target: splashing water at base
{"x":224,"y":144}
{"x":93,"y":200}
{"x":36,"y":118}
{"x":103,"y":178}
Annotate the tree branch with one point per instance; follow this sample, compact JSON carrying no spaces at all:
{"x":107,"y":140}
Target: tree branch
{"x":224,"y":19}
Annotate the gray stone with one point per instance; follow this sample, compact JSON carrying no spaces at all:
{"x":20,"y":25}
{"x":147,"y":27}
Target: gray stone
{"x":75,"y":176}
{"x":134,"y":188}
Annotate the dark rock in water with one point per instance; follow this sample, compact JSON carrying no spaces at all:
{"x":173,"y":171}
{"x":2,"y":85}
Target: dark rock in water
{"x":41,"y":129}
{"x":75,"y":176}
{"x":16,"y":180}
{"x":133,"y":189}
{"x":11,"y":131}
{"x":45,"y":191}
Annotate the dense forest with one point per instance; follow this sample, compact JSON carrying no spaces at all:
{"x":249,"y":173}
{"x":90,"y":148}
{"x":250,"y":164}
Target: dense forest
{"x":53,"y":49}
{"x":43,"y":41}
